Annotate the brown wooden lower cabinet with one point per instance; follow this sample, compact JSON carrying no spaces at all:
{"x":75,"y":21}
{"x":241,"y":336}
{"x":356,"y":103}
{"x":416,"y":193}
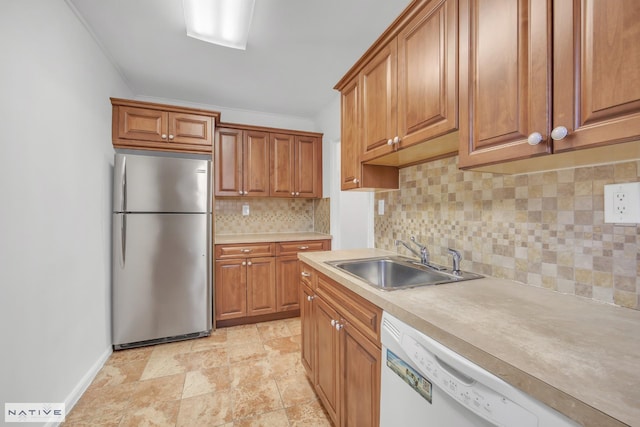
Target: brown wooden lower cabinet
{"x":338,"y":353}
{"x":245,"y":287}
{"x":257,"y":282}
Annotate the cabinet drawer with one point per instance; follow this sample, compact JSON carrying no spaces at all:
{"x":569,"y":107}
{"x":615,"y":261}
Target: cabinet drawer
{"x":292,"y":248}
{"x":308,"y":275}
{"x":362,"y":314}
{"x":244,"y":250}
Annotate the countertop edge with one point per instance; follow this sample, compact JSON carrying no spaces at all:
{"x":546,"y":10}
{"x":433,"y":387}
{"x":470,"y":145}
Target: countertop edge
{"x":561,"y":401}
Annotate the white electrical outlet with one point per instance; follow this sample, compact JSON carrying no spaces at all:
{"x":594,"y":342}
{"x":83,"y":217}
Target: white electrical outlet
{"x":380,"y":207}
{"x":622,"y":203}
{"x":245,"y":210}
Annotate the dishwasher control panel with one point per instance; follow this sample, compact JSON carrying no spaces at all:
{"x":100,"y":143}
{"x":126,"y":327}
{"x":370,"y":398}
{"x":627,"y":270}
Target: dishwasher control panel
{"x":469,"y":392}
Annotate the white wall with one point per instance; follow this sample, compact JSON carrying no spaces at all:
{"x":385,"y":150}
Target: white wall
{"x":55,"y":205}
{"x":351,"y":212}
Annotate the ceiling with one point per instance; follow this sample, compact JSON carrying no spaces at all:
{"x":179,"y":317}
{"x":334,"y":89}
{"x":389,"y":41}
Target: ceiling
{"x":296,"y":52}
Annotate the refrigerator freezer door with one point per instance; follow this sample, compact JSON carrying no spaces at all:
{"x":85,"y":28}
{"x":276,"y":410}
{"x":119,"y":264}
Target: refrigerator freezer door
{"x":161,"y":276}
{"x":161,"y":184}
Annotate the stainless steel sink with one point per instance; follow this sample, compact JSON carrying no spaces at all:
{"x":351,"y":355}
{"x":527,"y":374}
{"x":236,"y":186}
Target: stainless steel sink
{"x":394,"y":272}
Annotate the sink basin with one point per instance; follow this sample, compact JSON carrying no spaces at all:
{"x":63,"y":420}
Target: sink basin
{"x":395,"y":272}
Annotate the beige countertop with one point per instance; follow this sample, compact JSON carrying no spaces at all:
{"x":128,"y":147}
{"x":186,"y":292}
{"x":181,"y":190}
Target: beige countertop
{"x":574,"y":354}
{"x":221,"y":239}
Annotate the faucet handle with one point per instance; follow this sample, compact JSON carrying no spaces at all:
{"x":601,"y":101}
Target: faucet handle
{"x":456,"y":260}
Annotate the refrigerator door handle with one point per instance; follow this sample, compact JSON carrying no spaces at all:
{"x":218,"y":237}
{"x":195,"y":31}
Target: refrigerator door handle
{"x":124,"y":184}
{"x":123,"y":241}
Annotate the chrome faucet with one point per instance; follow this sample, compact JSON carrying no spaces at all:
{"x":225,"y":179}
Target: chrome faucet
{"x":456,"y":261}
{"x":423,"y":254}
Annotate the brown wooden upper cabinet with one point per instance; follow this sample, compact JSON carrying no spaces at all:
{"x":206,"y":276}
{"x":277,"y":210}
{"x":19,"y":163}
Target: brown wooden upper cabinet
{"x":267,"y":162}
{"x":296,"y":166}
{"x":544,"y":77}
{"x":241,"y":162}
{"x":401,"y":97}
{"x":149,"y":126}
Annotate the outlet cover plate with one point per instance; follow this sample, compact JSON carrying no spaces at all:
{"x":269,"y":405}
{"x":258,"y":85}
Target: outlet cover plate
{"x":622,"y":203}
{"x":245,"y":210}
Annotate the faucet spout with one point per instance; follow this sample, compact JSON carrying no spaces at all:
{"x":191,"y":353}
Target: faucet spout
{"x":423,"y":253}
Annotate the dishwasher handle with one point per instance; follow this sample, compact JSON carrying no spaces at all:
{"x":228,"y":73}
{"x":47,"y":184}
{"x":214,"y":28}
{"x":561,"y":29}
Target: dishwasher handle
{"x":453,"y":371}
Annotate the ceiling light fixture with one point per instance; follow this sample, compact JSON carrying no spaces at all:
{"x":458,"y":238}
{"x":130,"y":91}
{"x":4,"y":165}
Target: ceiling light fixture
{"x":223,"y":22}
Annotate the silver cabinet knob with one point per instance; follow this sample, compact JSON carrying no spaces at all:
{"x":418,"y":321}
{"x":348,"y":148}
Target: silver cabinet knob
{"x":356,"y":180}
{"x":297,"y":193}
{"x":396,"y":140}
{"x":293,"y":193}
{"x":240,"y":192}
{"x":333,"y":322}
{"x":163,"y":136}
{"x":305,"y":274}
{"x":310,"y":298}
{"x":559,"y":133}
{"x":244,"y":263}
{"x":535,"y":138}
{"x":338,"y":326}
{"x":248,"y":262}
{"x":171,"y":136}
{"x":390,"y":142}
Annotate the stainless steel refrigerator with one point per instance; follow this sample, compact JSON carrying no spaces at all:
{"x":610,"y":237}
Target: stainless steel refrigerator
{"x":162,"y":276}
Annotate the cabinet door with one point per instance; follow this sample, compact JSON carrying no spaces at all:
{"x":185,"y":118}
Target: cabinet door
{"x":307,"y":328}
{"x":282,"y":165}
{"x":228,"y":162}
{"x":231,"y":289}
{"x":378,"y":102}
{"x":261,"y":292}
{"x":596,"y":75}
{"x":142,"y":124}
{"x":504,"y":79}
{"x":288,"y":278}
{"x":360,"y":363}
{"x":308,"y":167}
{"x":191,"y":129}
{"x":350,"y":143}
{"x":326,"y":369}
{"x":428,"y":74}
{"x":256,"y":163}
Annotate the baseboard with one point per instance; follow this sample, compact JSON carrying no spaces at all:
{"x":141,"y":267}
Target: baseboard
{"x":83,"y":384}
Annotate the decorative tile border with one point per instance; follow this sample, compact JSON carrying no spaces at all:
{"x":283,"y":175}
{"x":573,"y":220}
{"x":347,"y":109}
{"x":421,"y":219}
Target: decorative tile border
{"x":546,"y":229}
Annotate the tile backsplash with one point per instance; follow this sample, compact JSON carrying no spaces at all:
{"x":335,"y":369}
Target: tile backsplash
{"x":546,"y":229}
{"x":270,"y":215}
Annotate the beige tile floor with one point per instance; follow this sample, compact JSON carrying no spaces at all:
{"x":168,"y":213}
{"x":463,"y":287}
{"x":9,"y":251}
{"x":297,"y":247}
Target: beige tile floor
{"x":241,"y":376}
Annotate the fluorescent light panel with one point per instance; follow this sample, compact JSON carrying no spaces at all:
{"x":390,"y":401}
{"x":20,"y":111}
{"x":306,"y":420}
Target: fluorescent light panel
{"x":223,"y":22}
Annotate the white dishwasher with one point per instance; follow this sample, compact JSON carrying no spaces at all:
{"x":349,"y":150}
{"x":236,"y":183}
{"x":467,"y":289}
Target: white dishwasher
{"x":426,"y":384}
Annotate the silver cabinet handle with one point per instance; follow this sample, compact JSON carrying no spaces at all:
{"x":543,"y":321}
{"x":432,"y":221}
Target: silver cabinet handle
{"x":303,"y":248}
{"x":534,"y":139}
{"x":246,"y":251}
{"x":559,"y":133}
{"x":305,"y":274}
{"x":310,"y":298}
